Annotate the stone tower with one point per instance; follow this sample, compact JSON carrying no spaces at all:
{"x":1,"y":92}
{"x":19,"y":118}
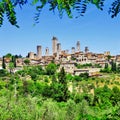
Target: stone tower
{"x":31,"y":55}
{"x":39,"y":51}
{"x":47,"y":51}
{"x":59,"y":47}
{"x":58,"y":50}
{"x":73,"y":50}
{"x":54,"y":45}
{"x":78,"y":46}
{"x":86,"y":49}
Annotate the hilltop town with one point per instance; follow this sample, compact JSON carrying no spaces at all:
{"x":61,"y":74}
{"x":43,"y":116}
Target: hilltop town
{"x":70,"y":61}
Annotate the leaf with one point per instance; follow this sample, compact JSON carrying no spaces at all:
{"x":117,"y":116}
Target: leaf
{"x":34,"y":2}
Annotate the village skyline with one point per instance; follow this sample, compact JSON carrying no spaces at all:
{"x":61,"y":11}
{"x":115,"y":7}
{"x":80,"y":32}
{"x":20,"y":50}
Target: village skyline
{"x":69,"y":50}
{"x":96,"y":30}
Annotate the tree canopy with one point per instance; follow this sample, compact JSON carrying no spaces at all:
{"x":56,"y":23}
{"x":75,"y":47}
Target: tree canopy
{"x":80,"y":6}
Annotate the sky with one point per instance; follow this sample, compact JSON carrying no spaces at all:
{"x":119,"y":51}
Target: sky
{"x":96,"y":29}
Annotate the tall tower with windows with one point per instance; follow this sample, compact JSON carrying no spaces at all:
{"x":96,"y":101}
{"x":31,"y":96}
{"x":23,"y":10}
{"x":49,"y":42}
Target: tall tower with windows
{"x":47,"y":51}
{"x":86,"y":49}
{"x":54,"y":45}
{"x":73,"y":50}
{"x":78,"y":46}
{"x":39,"y":51}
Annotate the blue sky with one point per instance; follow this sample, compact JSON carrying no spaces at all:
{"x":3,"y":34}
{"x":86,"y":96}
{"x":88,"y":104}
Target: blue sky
{"x":96,"y":29}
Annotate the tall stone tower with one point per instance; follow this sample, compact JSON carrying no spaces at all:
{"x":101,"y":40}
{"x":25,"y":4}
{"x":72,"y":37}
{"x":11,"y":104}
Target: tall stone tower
{"x":39,"y":51}
{"x":78,"y":46}
{"x":58,"y":50}
{"x":47,"y":51}
{"x":86,"y":49}
{"x":73,"y":50}
{"x":54,"y":45}
{"x":59,"y":47}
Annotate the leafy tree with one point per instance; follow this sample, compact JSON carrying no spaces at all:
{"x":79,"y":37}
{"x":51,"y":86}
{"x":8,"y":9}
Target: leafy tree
{"x":84,"y":75}
{"x":106,"y":68}
{"x":3,"y":73}
{"x":58,"y":89}
{"x":77,"y":78}
{"x":9,"y":55}
{"x":69,"y":6}
{"x":118,"y":68}
{"x":51,"y":69}
{"x":11,"y":67}
{"x":113,"y":67}
{"x":27,"y":61}
{"x":115,"y":96}
{"x":108,"y":57}
{"x":70,"y":110}
{"x":102,"y":97}
{"x":63,"y":82}
{"x":14,"y":60}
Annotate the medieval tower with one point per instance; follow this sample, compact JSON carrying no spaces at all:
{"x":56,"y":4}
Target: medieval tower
{"x":73,"y":50}
{"x":47,"y":51}
{"x":86,"y":49}
{"x":39,"y":51}
{"x":54,"y":45}
{"x":78,"y":46}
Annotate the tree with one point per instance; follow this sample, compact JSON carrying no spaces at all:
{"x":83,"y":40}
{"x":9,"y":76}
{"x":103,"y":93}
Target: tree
{"x":3,"y":63}
{"x":102,"y":97}
{"x":9,"y":55}
{"x":14,"y":60}
{"x":69,"y":6}
{"x":11,"y":67}
{"x":58,"y":89}
{"x":113,"y":67}
{"x":118,"y":68}
{"x":115,"y":96}
{"x":27,"y":61}
{"x":3,"y":73}
{"x":63,"y":82}
{"x":108,"y":57}
{"x":51,"y":69}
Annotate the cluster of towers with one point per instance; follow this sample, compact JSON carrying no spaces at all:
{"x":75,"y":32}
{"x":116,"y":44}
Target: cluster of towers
{"x":56,"y":49}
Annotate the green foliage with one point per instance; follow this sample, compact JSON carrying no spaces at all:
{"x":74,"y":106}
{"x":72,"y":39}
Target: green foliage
{"x":3,"y":73}
{"x":9,"y":55}
{"x":69,"y":77}
{"x":115,"y":97}
{"x":84,"y":75}
{"x":27,"y":61}
{"x":113,"y":67}
{"x":68,"y":6}
{"x":11,"y":67}
{"x":77,"y":78}
{"x":22,"y":97}
{"x":3,"y":63}
{"x":118,"y":68}
{"x":102,"y":97}
{"x":87,"y":65}
{"x":51,"y":69}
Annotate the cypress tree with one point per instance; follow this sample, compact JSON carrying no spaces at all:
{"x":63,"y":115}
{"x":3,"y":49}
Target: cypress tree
{"x":3,"y":63}
{"x":63,"y":83}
